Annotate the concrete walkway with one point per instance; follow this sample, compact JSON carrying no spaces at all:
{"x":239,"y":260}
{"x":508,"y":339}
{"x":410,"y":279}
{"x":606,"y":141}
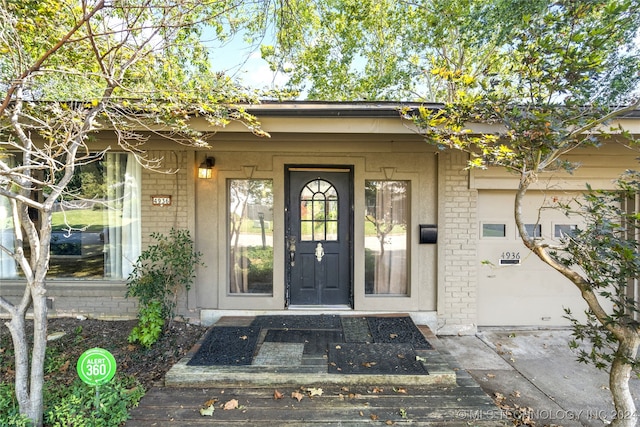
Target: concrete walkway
{"x":537,"y":370}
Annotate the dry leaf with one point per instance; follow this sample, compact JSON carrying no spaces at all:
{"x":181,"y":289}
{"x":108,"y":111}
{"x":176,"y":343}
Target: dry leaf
{"x":377,"y":390}
{"x":232,"y":404}
{"x":400,"y":390}
{"x":373,"y":417}
{"x":297,"y":395}
{"x":210,"y":402}
{"x":244,"y":337}
{"x":516,"y":393}
{"x":208,"y":411}
{"x":368,"y":364}
{"x":491,"y":376}
{"x":392,"y":336}
{"x":389,"y":422}
{"x":277,"y":395}
{"x":338,"y":347}
{"x":315,"y":391}
{"x":401,"y":356}
{"x":65,"y":367}
{"x":361,"y":414}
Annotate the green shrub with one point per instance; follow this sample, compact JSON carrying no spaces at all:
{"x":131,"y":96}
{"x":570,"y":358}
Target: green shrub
{"x":160,"y":273}
{"x":150,"y":323}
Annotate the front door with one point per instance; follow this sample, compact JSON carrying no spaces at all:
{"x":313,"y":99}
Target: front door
{"x":319,"y":236}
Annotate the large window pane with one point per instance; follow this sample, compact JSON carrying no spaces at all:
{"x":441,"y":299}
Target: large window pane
{"x":386,"y":220}
{"x":250,"y":236}
{"x":95,"y":226}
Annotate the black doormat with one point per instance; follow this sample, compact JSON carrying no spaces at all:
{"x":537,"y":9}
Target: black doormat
{"x":374,"y":359}
{"x":322,"y":321}
{"x":399,"y":330}
{"x":227,"y":345}
{"x":316,"y":342}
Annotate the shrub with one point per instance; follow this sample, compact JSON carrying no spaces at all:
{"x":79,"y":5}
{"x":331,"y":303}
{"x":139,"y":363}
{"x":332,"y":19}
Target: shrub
{"x":161,"y":272}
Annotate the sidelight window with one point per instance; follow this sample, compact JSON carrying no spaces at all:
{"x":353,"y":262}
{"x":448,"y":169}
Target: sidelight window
{"x":250,"y":232}
{"x":386,"y":220}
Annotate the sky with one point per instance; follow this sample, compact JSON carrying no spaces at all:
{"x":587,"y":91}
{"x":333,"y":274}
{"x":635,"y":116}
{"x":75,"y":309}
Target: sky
{"x":243,"y":62}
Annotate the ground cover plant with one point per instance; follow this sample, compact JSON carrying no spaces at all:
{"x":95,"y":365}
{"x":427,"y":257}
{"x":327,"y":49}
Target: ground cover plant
{"x":68,"y":401}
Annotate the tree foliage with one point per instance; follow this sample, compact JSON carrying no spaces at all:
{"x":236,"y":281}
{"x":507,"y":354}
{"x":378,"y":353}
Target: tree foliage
{"x":566,"y":74}
{"x":136,"y":69}
{"x":387,"y":49}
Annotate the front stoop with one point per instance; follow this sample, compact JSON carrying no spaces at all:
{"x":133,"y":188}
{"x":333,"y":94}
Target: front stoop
{"x":182,"y":375}
{"x":275,"y":364}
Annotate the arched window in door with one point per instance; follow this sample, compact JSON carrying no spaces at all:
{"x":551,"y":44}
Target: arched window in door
{"x":318,"y":211}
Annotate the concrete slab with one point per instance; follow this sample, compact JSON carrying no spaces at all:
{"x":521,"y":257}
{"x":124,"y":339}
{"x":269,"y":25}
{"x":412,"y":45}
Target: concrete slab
{"x":537,"y":369}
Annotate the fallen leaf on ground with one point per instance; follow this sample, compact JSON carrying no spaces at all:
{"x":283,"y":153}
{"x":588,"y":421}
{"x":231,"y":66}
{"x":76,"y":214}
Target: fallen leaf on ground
{"x":244,"y":337}
{"x":232,"y":404}
{"x":208,"y":411}
{"x":297,"y":395}
{"x":400,"y":390}
{"x":277,"y":395}
{"x":368,"y":364}
{"x":389,"y":422}
{"x":392,"y":336}
{"x":315,"y":391}
{"x":377,"y":390}
{"x":374,"y":417}
{"x":210,"y":402}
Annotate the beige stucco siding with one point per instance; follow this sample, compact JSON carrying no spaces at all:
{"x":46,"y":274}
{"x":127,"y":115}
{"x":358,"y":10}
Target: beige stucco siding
{"x":371,"y":157}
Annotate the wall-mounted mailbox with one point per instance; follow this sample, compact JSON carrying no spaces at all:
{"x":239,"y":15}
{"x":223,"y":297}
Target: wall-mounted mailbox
{"x":428,"y":233}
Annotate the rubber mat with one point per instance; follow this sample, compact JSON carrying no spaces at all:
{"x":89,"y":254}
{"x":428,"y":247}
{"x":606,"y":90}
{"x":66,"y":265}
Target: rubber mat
{"x":316,"y":342}
{"x":227,"y":345}
{"x":374,"y":359}
{"x":298,"y":322}
{"x":399,"y":330}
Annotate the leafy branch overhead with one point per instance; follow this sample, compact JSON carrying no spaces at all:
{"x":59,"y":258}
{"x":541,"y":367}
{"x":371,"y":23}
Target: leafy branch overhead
{"x":567,"y":78}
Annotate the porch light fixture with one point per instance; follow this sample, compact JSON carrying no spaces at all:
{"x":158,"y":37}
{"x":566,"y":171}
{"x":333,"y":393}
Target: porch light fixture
{"x":205,"y":170}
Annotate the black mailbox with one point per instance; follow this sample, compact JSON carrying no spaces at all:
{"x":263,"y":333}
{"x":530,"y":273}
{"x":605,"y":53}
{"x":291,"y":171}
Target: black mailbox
{"x":428,"y":233}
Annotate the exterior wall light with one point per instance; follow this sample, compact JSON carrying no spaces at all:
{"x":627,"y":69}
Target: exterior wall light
{"x":205,"y":170}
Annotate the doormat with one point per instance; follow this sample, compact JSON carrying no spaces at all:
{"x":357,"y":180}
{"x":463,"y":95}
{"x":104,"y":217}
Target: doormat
{"x":374,"y":359}
{"x":322,"y":321}
{"x":399,"y":330}
{"x":316,"y":342}
{"x":227,"y":345}
{"x":356,"y":329}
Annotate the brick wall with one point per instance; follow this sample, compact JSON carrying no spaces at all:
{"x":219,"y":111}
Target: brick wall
{"x":457,"y":285}
{"x":165,"y":182}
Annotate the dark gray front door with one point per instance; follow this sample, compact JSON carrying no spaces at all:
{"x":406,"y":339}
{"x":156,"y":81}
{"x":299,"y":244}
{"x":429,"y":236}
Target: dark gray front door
{"x":319,"y":236}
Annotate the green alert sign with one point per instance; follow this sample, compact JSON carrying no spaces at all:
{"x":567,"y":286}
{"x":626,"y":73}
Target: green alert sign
{"x":96,"y":366}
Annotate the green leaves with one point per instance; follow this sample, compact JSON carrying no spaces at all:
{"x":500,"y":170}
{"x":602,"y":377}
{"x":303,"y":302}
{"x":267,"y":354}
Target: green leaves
{"x":160,"y":273}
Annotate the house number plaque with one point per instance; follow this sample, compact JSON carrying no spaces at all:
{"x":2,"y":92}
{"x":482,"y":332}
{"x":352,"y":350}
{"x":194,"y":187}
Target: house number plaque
{"x":161,"y":200}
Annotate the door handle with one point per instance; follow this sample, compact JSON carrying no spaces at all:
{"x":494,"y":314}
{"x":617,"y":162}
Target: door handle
{"x":292,"y":250}
{"x":319,"y":252}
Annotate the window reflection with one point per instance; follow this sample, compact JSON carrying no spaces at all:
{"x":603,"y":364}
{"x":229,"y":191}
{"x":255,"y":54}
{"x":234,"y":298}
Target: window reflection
{"x":95,"y":226}
{"x":250,"y":236}
{"x":386,"y":221}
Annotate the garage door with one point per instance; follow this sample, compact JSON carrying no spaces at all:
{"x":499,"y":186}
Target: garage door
{"x":515,"y":288}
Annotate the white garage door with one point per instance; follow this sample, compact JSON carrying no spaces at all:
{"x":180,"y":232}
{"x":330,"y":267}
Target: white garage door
{"x":515,"y":288}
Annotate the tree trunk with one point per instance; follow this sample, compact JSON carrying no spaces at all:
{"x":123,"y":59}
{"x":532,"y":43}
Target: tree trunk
{"x":29,"y":380}
{"x":619,"y":376}
{"x":38,"y":354}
